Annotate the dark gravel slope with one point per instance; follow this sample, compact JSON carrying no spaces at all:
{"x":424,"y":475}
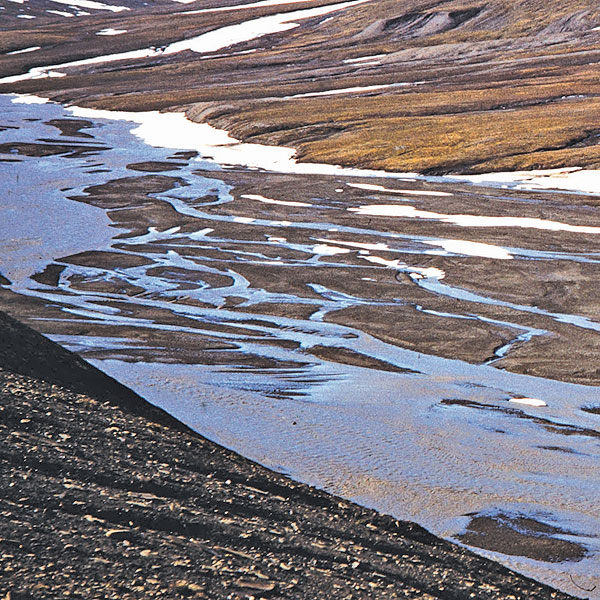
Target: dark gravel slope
{"x":104,"y":496}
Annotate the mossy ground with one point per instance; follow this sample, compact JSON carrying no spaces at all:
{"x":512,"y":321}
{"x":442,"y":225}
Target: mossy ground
{"x":489,"y":87}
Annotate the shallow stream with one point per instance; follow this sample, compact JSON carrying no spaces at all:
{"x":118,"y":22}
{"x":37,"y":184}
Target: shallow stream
{"x":314,"y":323}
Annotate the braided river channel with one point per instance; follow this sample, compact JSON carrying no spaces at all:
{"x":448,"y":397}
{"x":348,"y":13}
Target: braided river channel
{"x":395,"y":339}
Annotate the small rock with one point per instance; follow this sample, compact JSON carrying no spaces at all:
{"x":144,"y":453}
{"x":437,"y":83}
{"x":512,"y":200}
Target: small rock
{"x":253,"y":584}
{"x":118,"y":534}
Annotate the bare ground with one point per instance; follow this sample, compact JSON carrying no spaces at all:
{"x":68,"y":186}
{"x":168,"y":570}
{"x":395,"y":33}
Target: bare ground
{"x":105,"y":496}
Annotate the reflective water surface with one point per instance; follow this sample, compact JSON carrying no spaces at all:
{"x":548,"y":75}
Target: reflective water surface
{"x":347,"y":330}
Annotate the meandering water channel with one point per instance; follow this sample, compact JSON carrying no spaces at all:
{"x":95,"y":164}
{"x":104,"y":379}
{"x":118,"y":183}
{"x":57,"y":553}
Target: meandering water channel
{"x":297,"y":318}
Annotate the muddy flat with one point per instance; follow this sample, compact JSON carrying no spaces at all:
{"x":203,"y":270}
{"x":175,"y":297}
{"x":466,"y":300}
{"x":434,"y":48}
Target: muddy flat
{"x":392,"y":340}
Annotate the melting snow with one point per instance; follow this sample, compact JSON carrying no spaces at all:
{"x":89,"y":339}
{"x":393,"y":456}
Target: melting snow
{"x":326,"y":250}
{"x":110,"y":31}
{"x":91,"y":4}
{"x":380,"y":188}
{"x":31,"y":49}
{"x":364,"y":58}
{"x":528,"y":401}
{"x":350,"y":90}
{"x":572,"y":179}
{"x":270,"y":201}
{"x":28,"y":99}
{"x":410,"y":212}
{"x":472,"y":248}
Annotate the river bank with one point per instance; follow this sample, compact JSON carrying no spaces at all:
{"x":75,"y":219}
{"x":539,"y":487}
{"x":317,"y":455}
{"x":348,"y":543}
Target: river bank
{"x":425,"y":87}
{"x":345,"y":329}
{"x":107,"y":496}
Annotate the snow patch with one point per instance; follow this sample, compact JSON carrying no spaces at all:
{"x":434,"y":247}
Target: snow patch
{"x":30,"y":49}
{"x":528,"y":401}
{"x":364,"y":58}
{"x":92,"y":4}
{"x":573,"y":179}
{"x":111,"y":31}
{"x":350,"y":90}
{"x":410,"y":212}
{"x":29,"y":99}
{"x":326,"y":250}
{"x":472,"y":249}
{"x":60,"y":13}
{"x":270,"y":201}
{"x":379,"y":188}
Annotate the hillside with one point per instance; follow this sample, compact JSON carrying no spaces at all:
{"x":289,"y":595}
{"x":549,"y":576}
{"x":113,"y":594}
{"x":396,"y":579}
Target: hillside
{"x":105,"y":496}
{"x":450,"y":86}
